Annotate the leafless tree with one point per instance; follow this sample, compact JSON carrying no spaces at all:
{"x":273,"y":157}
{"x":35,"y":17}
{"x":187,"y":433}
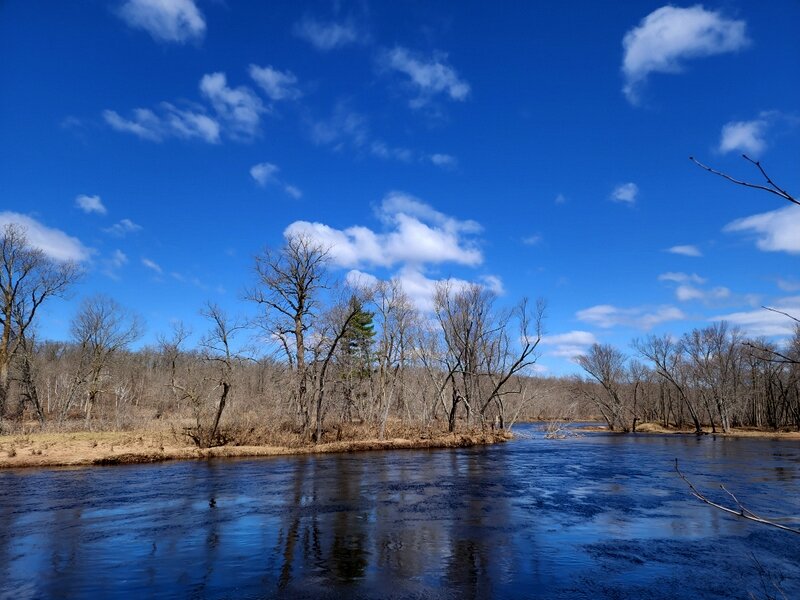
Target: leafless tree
{"x":288,"y":285}
{"x":101,"y":329}
{"x":606,"y":365}
{"x":667,"y":359}
{"x":28,"y":278}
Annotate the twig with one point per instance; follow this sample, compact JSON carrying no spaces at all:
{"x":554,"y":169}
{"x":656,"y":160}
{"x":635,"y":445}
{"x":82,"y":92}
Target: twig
{"x":742,"y":512}
{"x":772,"y":188}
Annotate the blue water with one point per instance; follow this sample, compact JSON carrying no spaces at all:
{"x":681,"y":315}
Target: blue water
{"x":600,"y":516}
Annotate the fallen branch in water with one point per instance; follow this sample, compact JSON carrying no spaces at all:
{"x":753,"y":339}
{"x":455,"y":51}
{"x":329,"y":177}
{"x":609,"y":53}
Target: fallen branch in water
{"x":741,"y":512}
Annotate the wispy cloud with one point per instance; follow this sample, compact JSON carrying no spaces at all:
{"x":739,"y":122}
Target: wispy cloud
{"x":114,"y":263}
{"x":685,"y":250}
{"x":568,"y":345}
{"x":775,"y":231}
{"x":263,"y":173}
{"x":763,"y":322}
{"x":428,"y":76}
{"x":152,"y":265}
{"x":328,"y":35}
{"x":677,"y":277}
{"x":90,"y":204}
{"x":743,"y":136}
{"x":640,"y":317}
{"x":53,"y":242}
{"x":670,"y":36}
{"x":123,"y":228}
{"x":532,"y":240}
{"x":266,"y":173}
{"x":168,"y":122}
{"x":165,"y":20}
{"x":239,"y":108}
{"x":277,"y":85}
{"x":626,"y":193}
{"x":236,"y":113}
{"x":446,"y":161}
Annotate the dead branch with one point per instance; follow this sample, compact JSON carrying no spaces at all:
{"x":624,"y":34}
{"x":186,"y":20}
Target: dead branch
{"x":741,"y":512}
{"x":771,"y":186}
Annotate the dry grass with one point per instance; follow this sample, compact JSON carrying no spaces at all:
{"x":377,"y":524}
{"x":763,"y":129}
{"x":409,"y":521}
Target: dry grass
{"x":737,"y":432}
{"x":49,"y":449}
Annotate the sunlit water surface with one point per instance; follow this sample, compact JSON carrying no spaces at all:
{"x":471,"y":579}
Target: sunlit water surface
{"x":600,"y":516}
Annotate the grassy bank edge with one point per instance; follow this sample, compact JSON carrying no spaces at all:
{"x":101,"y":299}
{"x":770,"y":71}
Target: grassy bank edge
{"x":118,"y":448}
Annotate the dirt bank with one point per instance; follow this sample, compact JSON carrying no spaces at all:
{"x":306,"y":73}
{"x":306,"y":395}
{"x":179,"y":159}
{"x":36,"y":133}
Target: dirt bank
{"x":107,"y":448}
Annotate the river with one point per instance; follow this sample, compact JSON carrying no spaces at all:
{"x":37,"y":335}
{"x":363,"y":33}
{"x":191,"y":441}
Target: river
{"x":597,"y":516}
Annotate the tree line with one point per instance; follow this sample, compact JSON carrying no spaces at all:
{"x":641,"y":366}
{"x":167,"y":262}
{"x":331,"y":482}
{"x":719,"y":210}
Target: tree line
{"x":318,"y":355}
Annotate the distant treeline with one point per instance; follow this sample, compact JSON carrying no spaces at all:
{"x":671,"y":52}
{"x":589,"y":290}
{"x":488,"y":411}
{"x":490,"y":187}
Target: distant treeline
{"x":321,"y":356}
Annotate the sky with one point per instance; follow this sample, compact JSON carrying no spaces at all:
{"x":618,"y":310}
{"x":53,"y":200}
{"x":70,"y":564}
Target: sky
{"x":539,"y":149}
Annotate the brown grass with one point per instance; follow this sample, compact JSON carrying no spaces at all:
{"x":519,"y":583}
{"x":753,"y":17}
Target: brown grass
{"x":751,"y":432}
{"x":109,"y":447}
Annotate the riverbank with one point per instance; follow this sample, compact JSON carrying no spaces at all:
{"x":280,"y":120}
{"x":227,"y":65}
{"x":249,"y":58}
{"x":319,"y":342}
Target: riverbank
{"x":111,"y":448}
{"x":748,"y":432}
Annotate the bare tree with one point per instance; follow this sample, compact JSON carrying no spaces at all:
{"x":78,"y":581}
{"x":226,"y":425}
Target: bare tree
{"x":667,"y":358}
{"x":606,"y":364}
{"x":28,"y":277}
{"x":101,"y":329}
{"x":289,"y":282}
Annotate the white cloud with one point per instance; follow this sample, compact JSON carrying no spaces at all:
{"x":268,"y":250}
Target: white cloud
{"x":429,"y":76}
{"x":494,"y":284}
{"x":153,"y":266}
{"x":775,"y":231}
{"x":685,"y":250}
{"x":360,"y":280}
{"x":625,"y":193}
{"x":669,"y":36}
{"x":171,"y":122}
{"x":344,"y":125}
{"x":123,"y":228}
{"x":417,"y":235}
{"x":165,"y":20}
{"x":788,"y":285}
{"x":382,"y":150}
{"x":90,"y":204}
{"x":239,"y":108}
{"x":532,"y":240}
{"x":349,"y":129}
{"x":682,"y":278}
{"x":569,"y":345}
{"x":114,"y":263}
{"x":444,"y":160}
{"x":644,"y":318}
{"x":763,"y":322}
{"x":293,"y":191}
{"x":277,"y":85}
{"x":53,"y":242}
{"x":686,"y":292}
{"x":329,"y":35}
{"x":744,"y":136}
{"x":263,"y":173}
{"x":266,"y":173}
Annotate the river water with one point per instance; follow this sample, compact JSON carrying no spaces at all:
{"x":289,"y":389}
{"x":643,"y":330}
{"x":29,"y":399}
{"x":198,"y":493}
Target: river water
{"x":599,"y":516}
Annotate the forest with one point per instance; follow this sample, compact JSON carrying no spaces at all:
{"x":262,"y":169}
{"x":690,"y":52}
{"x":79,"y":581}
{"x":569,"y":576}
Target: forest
{"x":321,"y":359}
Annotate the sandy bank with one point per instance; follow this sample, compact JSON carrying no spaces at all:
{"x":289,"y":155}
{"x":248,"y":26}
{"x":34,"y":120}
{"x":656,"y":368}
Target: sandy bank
{"x":110,"y":448}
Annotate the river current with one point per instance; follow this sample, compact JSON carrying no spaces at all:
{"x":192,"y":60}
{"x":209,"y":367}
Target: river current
{"x":596,"y":516}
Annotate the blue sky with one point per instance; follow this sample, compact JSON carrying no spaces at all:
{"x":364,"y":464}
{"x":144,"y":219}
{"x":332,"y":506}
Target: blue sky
{"x":538,"y":148}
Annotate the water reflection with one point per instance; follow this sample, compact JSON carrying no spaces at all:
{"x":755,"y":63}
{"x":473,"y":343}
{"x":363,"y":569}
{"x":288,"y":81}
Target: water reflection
{"x":599,"y":516}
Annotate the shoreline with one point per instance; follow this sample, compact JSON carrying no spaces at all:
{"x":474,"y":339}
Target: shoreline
{"x":655,"y":428}
{"x":86,"y":449}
